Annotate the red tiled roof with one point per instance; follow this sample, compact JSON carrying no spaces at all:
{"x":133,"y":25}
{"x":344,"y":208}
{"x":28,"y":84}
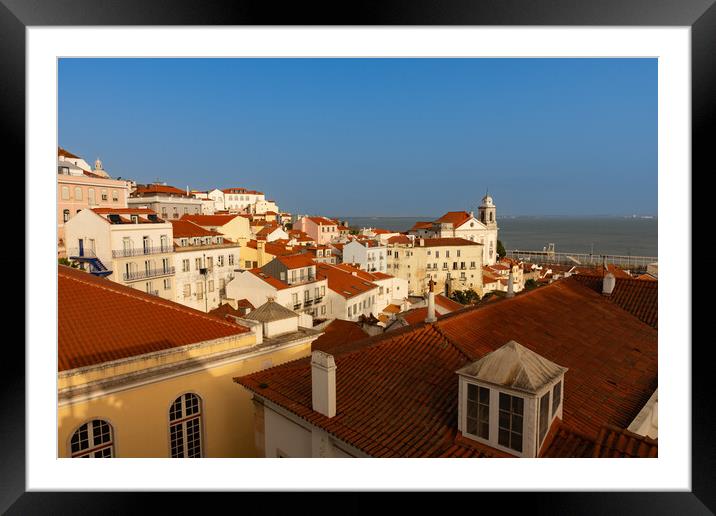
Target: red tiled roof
{"x":639,"y":298}
{"x":209,"y":220}
{"x":456,"y":218}
{"x":157,"y":189}
{"x":241,"y":191}
{"x":100,"y":321}
{"x":440,"y":242}
{"x":421,"y":225}
{"x":618,"y":442}
{"x":323,"y":221}
{"x":226,"y":309}
{"x":392,"y":309}
{"x":368,"y":276}
{"x":274,"y":282}
{"x":599,"y":271}
{"x":66,"y":153}
{"x":447,"y":303}
{"x":183,"y":228}
{"x":127,"y":211}
{"x":646,"y":277}
{"x":611,"y":356}
{"x":338,"y":333}
{"x":342,"y":282}
{"x":296,"y":261}
{"x":399,"y":239}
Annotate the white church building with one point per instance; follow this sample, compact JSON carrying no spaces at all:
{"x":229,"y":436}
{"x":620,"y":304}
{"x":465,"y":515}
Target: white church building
{"x":461,"y":224}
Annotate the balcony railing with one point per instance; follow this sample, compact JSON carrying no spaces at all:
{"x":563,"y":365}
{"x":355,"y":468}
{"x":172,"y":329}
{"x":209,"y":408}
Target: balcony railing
{"x":145,"y":274}
{"x":296,"y":306}
{"x":140,"y":251}
{"x":318,"y":300}
{"x":84,"y":252}
{"x":308,"y":302}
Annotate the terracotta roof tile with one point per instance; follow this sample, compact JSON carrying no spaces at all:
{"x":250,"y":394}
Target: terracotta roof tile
{"x":209,"y":220}
{"x":338,"y":333}
{"x":611,"y":357}
{"x":618,"y":442}
{"x":183,"y":228}
{"x":456,"y":218}
{"x":100,"y":320}
{"x":638,"y":297}
{"x":343,"y":283}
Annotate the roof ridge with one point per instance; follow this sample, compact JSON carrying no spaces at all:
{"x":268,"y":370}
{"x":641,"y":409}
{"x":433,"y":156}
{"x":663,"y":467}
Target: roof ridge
{"x":165,"y":303}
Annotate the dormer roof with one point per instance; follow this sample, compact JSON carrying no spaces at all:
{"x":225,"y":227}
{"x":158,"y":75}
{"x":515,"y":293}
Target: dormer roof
{"x":516,"y":367}
{"x":271,"y":311}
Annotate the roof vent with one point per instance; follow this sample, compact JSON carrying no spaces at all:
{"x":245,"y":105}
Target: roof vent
{"x":608,"y":284}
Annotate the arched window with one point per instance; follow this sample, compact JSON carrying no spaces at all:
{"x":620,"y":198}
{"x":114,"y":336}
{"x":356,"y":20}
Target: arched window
{"x":94,"y":439}
{"x":65,"y":215}
{"x":78,"y":193}
{"x":185,"y":426}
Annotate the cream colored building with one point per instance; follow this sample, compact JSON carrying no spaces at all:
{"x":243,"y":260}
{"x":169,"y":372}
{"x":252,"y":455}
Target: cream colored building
{"x":461,"y":224}
{"x":130,"y":246}
{"x":205,"y":263}
{"x":156,"y":381}
{"x":452,"y":263}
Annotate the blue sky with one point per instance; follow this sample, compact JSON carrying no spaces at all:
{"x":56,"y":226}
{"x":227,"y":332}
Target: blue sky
{"x":385,"y":137}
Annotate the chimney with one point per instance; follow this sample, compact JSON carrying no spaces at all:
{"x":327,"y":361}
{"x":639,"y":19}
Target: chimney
{"x":323,"y":383}
{"x":510,"y":285}
{"x":422,"y":242}
{"x":431,"y":304}
{"x":608,"y":284}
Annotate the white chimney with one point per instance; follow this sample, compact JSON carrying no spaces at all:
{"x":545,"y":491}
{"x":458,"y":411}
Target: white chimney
{"x":323,"y":383}
{"x":510,"y":285}
{"x":608,"y":284}
{"x":431,"y":304}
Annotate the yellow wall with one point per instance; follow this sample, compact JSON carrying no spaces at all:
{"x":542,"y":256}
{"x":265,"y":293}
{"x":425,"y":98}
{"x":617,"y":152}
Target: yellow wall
{"x":140,"y":416}
{"x":253,"y":255}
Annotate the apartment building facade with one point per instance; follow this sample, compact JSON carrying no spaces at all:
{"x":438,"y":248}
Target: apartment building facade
{"x":452,"y":263}
{"x":290,"y":281}
{"x":168,"y":202}
{"x":130,"y":246}
{"x":79,"y":187}
{"x":205,"y":263}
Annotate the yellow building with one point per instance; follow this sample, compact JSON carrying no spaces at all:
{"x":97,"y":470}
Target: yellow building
{"x":452,"y":263}
{"x":234,"y":227}
{"x":140,"y":376}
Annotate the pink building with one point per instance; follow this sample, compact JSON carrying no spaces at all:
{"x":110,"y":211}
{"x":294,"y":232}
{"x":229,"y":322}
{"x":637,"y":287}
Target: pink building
{"x":79,"y":187}
{"x":321,"y":229}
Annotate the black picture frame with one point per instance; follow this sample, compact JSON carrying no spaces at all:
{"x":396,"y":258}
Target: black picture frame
{"x":700,"y":15}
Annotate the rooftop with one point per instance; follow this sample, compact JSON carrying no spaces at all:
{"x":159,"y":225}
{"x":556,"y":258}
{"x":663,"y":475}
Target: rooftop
{"x":343,"y":283}
{"x":101,"y":321}
{"x":209,"y":220}
{"x":638,"y":297}
{"x":183,"y":228}
{"x":611,"y":356}
{"x":271,"y":311}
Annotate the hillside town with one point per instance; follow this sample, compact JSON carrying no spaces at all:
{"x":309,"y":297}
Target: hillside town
{"x":228,"y":327}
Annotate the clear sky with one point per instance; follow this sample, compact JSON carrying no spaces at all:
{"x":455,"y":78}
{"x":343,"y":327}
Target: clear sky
{"x":385,"y":137}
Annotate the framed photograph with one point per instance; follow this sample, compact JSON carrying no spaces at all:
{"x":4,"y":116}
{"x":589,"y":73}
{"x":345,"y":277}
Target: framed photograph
{"x":353,"y":142}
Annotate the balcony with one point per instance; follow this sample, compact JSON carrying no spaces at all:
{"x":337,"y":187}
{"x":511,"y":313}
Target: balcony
{"x":146,"y":274}
{"x":307,"y":302}
{"x":318,"y":300}
{"x":296,"y":306}
{"x":140,"y":251}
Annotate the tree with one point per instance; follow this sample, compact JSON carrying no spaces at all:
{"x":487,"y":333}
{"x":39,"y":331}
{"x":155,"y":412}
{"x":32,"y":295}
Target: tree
{"x":530,"y":284}
{"x":69,"y":263}
{"x":501,"y":249}
{"x":465,"y":297}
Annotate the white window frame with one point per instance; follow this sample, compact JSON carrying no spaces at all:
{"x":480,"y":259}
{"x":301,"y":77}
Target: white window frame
{"x":183,"y":422}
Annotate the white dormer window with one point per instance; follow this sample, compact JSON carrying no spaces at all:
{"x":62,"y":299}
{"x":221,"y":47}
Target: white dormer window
{"x":509,"y":399}
{"x":184,"y":242}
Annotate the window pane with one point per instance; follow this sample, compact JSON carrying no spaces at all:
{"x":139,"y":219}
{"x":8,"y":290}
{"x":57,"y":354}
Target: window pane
{"x":504,"y":401}
{"x":543,"y":416}
{"x":517,"y":405}
{"x":516,"y":442}
{"x":556,"y":397}
{"x":484,"y":395}
{"x":471,"y":409}
{"x":471,"y":392}
{"x":503,"y":437}
{"x":177,"y":440}
{"x":471,"y":426}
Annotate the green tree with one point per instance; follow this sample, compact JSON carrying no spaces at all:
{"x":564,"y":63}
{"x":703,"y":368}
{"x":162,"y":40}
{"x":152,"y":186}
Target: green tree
{"x":69,"y":263}
{"x":530,"y":284}
{"x":501,"y":249}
